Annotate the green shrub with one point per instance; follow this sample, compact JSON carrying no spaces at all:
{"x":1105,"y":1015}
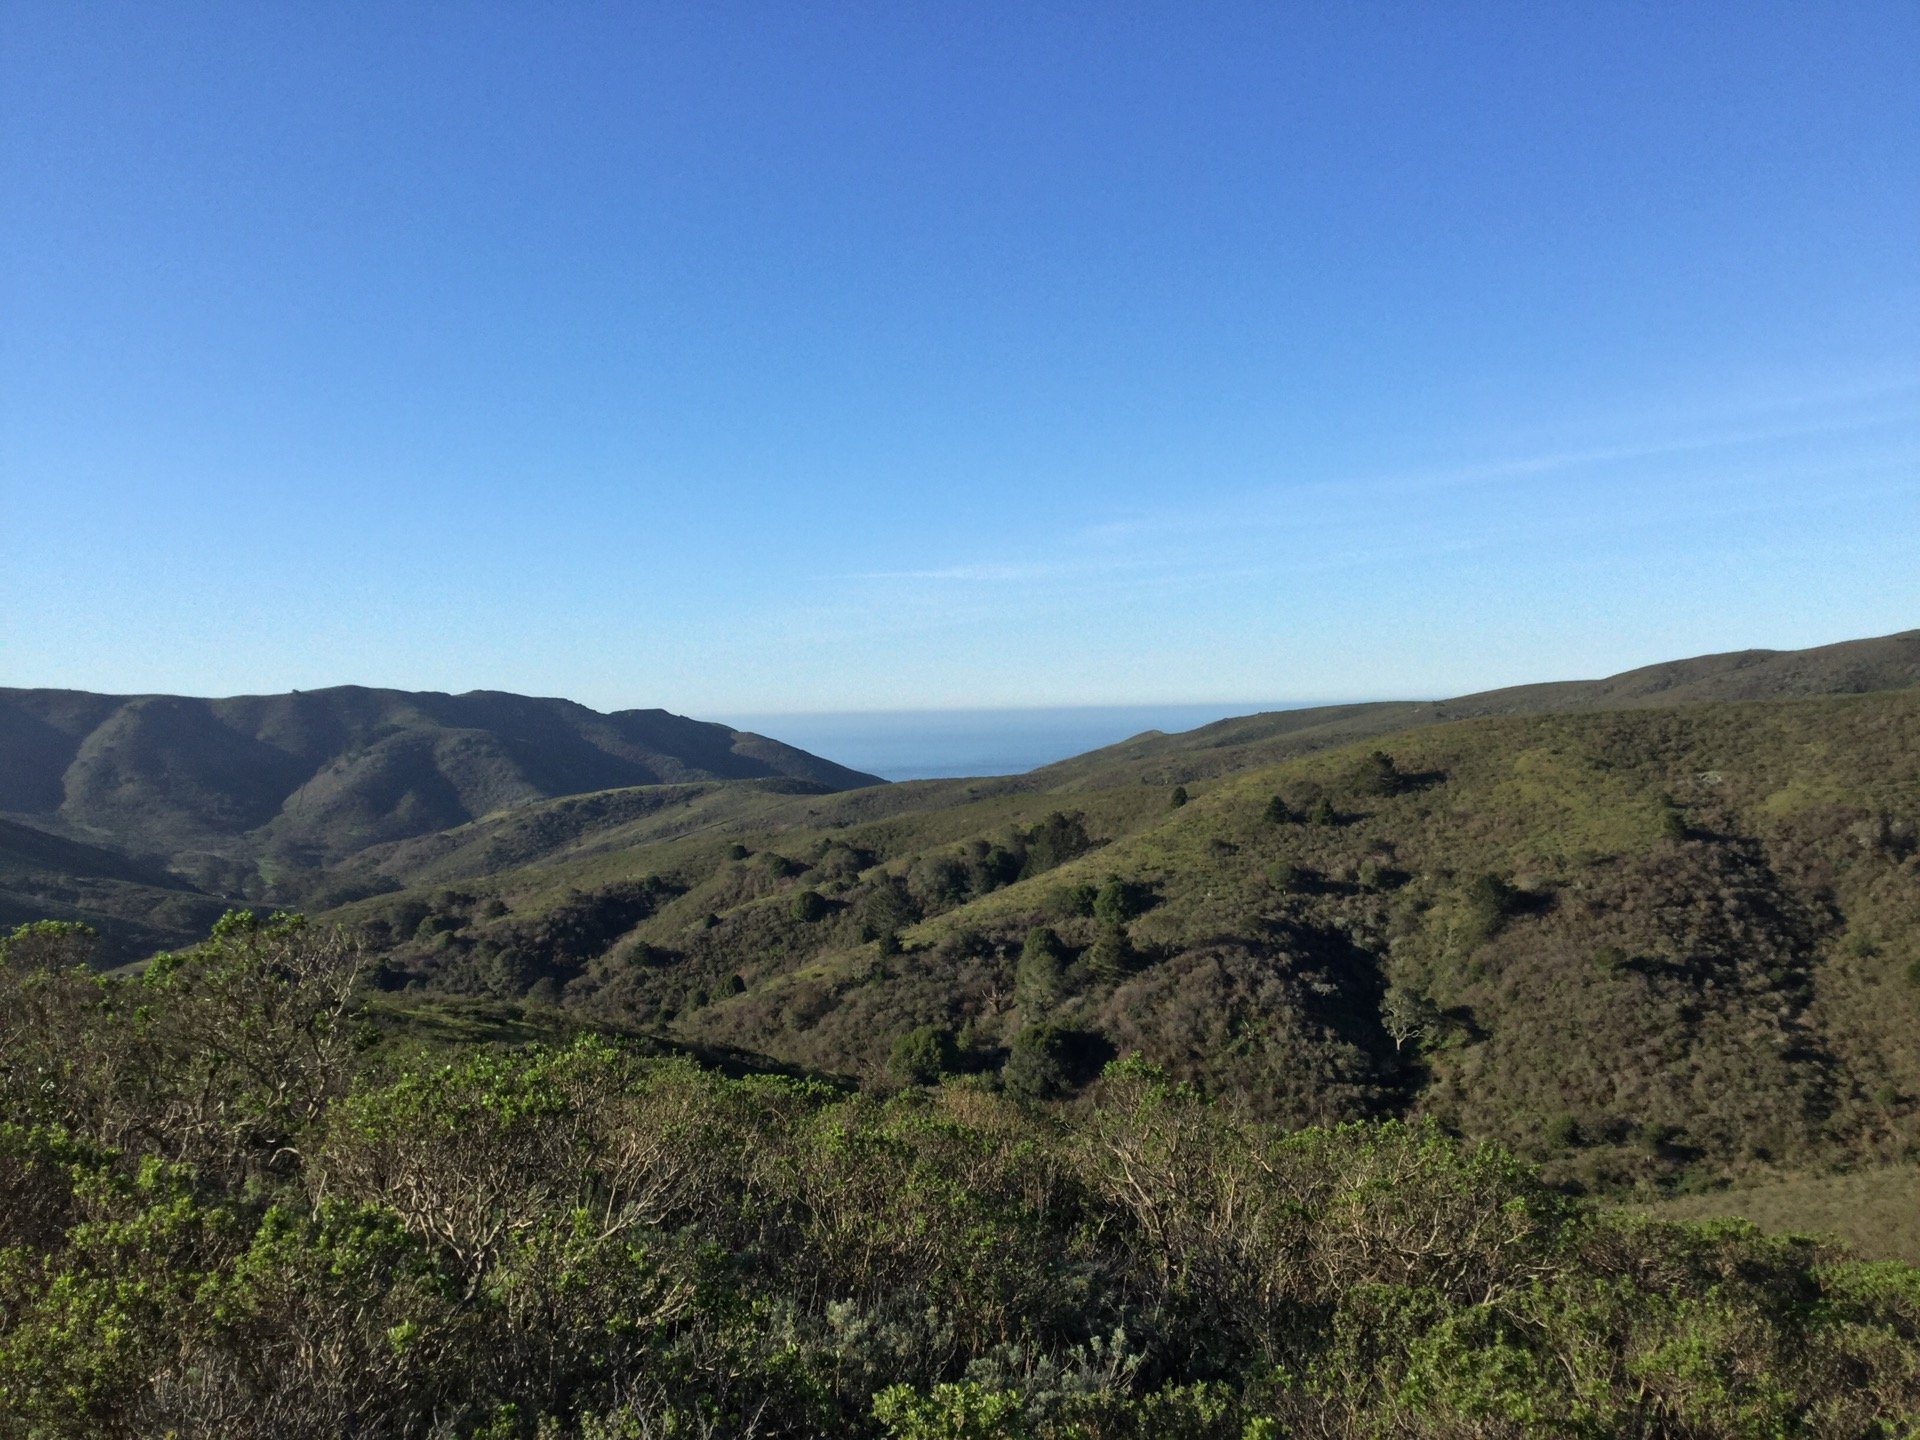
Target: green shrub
{"x":1118,"y":901}
{"x":1040,"y":977}
{"x":923,"y":1055}
{"x":50,"y":945}
{"x":1112,"y":954}
{"x":1038,"y":1064}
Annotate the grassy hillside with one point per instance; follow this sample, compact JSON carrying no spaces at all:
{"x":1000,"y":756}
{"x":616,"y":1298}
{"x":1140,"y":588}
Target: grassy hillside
{"x":1654,"y":948}
{"x":1853,"y":667}
{"x":1657,"y":948}
{"x":1876,"y":1210}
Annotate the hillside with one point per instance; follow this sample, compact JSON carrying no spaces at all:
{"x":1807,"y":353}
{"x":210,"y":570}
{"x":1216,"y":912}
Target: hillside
{"x":1852,"y":667}
{"x":1649,"y":948}
{"x":238,"y":1199}
{"x":235,"y":793}
{"x":137,"y":907}
{"x":608,"y":822}
{"x":1654,"y":946}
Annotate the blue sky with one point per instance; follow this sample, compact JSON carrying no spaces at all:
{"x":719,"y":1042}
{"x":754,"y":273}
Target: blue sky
{"x":751,"y":358}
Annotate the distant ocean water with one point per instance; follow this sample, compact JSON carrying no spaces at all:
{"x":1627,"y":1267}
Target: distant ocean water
{"x":942,"y":744}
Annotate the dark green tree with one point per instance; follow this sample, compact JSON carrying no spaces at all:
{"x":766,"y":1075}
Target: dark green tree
{"x":1055,"y":840}
{"x":923,"y":1055}
{"x":1376,"y":774}
{"x":1038,"y":1064}
{"x":1112,"y":954}
{"x":1485,"y":905}
{"x":1118,"y":901}
{"x":1042,"y":970}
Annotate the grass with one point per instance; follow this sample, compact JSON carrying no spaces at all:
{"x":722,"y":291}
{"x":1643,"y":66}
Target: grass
{"x":1875,"y":1211}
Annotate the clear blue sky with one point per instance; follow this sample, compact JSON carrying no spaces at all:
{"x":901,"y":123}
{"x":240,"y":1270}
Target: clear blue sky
{"x":761,"y":357}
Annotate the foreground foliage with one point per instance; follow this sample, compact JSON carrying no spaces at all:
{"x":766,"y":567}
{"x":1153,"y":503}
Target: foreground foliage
{"x":222,"y":1214}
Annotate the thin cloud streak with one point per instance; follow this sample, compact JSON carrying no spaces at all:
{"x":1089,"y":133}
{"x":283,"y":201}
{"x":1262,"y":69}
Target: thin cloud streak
{"x":1256,"y":509}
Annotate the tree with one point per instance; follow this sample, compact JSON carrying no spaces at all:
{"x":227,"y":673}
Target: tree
{"x":1377,"y":775}
{"x":1179,"y":796}
{"x":1078,"y":899}
{"x":50,"y":945}
{"x":923,"y":1055}
{"x":1407,"y":1014}
{"x":1485,"y":904}
{"x":1118,"y":901}
{"x":808,"y":907}
{"x":993,"y":868}
{"x":1042,"y":968}
{"x":886,"y":906}
{"x":1112,"y":954}
{"x":1038,"y":1065}
{"x":1054,"y":841}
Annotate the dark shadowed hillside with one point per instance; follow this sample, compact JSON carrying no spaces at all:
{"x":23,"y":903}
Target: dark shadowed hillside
{"x":137,"y":907}
{"x":133,"y":813}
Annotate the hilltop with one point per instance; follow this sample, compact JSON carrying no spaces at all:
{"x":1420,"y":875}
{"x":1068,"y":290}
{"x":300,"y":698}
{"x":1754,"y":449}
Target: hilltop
{"x":1852,"y":667}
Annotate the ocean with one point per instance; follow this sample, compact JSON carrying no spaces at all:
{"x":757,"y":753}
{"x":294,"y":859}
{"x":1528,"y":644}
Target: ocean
{"x":942,"y":744}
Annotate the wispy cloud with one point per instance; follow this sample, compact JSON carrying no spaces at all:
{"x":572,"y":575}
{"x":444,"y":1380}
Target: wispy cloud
{"x":1281,"y":500}
{"x":1700,"y":477}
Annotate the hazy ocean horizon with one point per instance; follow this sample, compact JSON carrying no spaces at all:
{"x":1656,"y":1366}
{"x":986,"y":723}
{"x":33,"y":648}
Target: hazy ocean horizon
{"x":943,"y":744}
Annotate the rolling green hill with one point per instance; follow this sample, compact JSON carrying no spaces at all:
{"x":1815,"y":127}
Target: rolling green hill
{"x":1653,"y":932}
{"x":1650,"y":948}
{"x":1432,"y":1021}
{"x":1853,"y":667}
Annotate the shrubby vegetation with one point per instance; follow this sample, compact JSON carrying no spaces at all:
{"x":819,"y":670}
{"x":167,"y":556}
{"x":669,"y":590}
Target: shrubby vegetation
{"x":1656,"y":952}
{"x":230,"y":1204}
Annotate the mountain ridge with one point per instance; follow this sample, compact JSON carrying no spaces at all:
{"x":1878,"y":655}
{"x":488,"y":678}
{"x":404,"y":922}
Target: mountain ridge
{"x":1882,"y":662}
{"x":316,"y":774}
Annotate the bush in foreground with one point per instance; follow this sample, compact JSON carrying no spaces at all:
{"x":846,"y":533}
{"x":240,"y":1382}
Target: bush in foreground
{"x":218,"y":1216}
